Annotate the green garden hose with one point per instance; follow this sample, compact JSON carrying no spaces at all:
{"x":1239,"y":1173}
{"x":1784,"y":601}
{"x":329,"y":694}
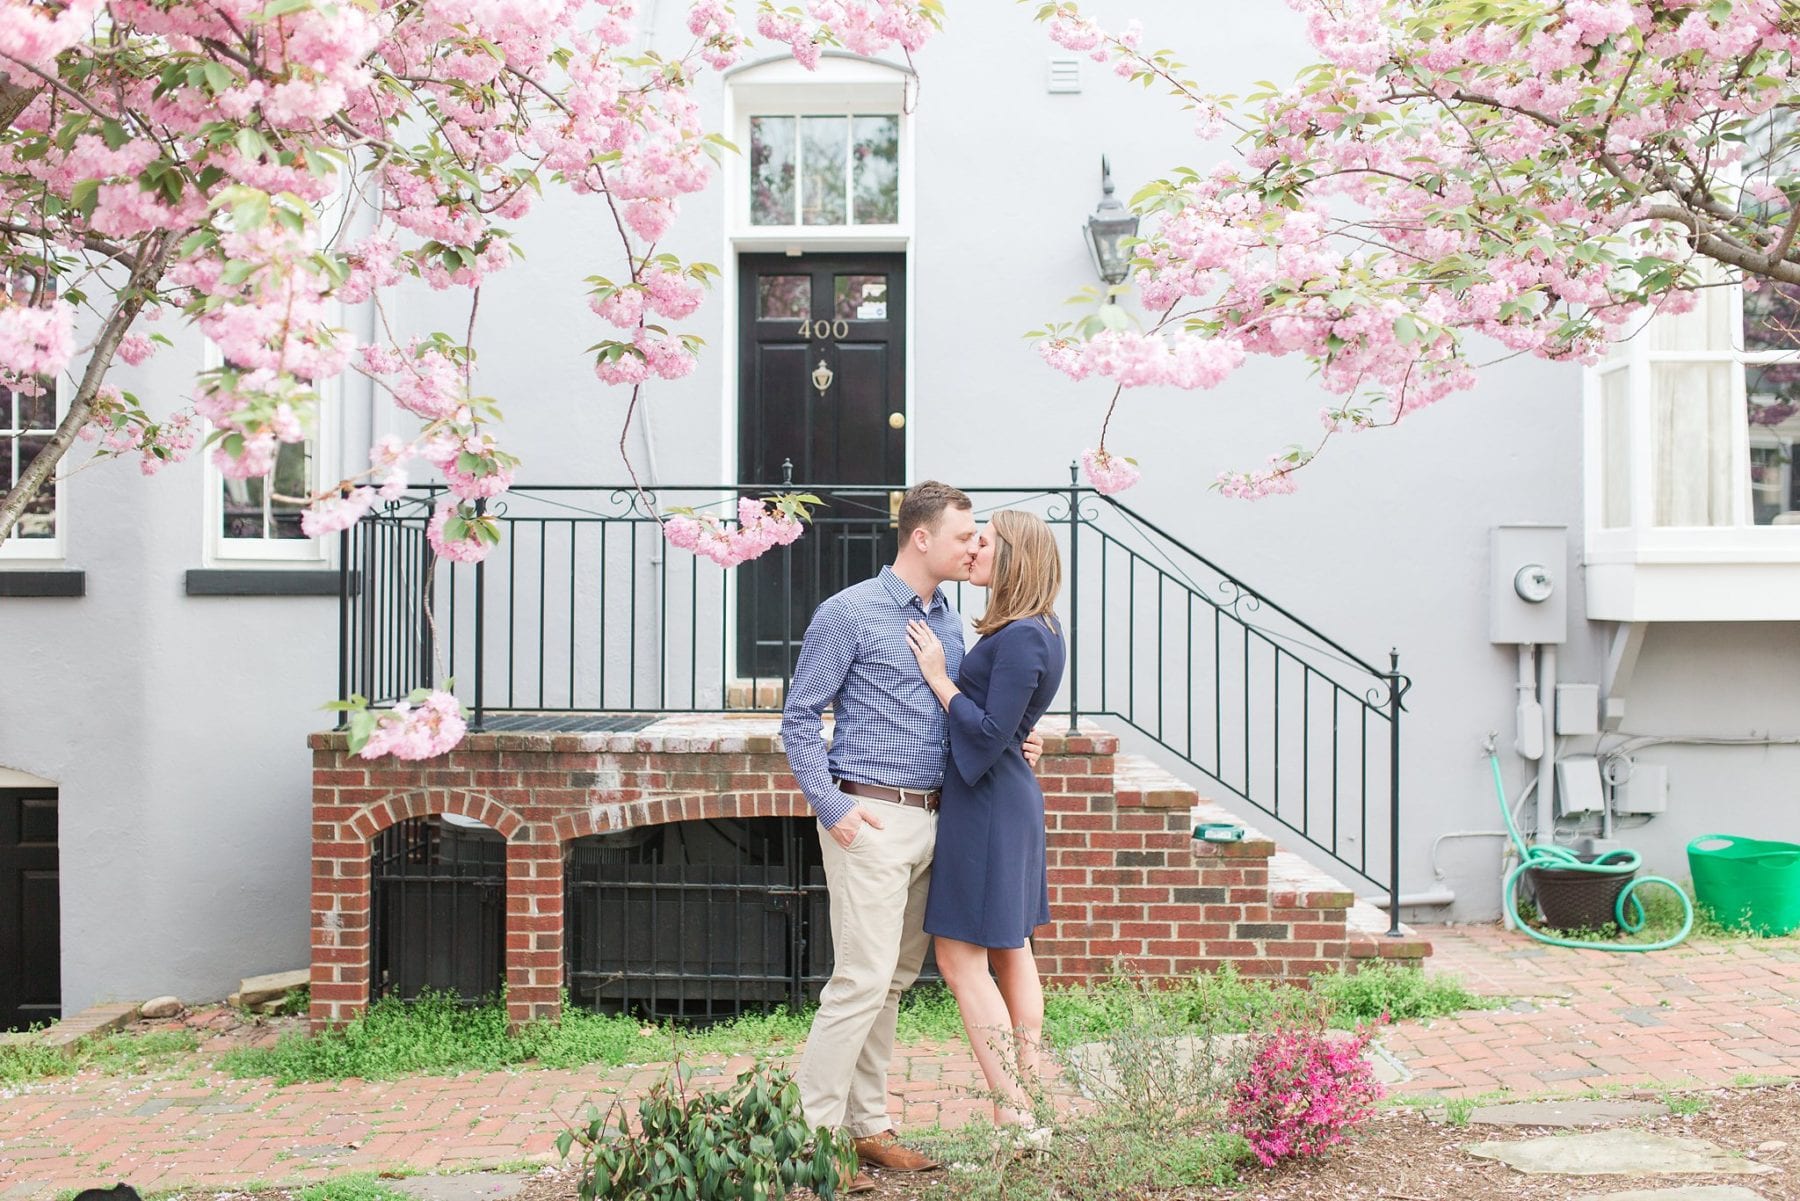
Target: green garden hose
{"x":1628,"y":911}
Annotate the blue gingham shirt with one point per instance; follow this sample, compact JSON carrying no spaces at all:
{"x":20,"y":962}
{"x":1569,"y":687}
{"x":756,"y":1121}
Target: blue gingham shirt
{"x":890,"y":728}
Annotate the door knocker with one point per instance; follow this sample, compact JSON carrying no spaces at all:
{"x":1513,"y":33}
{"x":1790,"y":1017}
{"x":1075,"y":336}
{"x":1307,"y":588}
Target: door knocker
{"x":822,"y":377}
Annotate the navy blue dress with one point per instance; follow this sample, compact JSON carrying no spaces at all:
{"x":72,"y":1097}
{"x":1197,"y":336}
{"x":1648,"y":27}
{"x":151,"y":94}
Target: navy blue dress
{"x":988,"y":885}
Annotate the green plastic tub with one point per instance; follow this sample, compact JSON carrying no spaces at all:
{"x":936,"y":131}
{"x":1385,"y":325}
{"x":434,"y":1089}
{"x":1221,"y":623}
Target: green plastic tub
{"x":1747,"y":883}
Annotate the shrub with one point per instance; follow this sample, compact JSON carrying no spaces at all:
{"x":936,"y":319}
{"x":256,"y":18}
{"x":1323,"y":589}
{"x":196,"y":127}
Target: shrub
{"x":749,"y":1142}
{"x":1303,"y":1092}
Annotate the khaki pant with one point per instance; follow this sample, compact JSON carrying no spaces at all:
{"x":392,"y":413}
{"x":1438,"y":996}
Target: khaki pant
{"x":877,"y":891}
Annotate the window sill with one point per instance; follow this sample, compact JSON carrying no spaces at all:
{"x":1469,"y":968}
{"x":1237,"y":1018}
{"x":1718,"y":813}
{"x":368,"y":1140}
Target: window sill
{"x":40,"y":583}
{"x":264,"y":582}
{"x":1664,"y":580}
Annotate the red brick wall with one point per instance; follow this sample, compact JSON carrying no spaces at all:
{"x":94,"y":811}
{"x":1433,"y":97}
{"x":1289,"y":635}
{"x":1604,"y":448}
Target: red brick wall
{"x":1126,"y":880}
{"x":1130,"y":886}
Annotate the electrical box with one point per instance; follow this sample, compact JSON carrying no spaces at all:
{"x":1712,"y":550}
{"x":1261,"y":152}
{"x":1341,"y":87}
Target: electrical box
{"x":1528,"y":585}
{"x":1646,"y":790}
{"x":1578,"y":708}
{"x":1578,"y":785}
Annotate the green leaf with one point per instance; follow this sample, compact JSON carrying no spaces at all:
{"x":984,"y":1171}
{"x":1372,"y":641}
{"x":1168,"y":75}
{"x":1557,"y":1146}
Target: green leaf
{"x":362,"y":725}
{"x":280,"y":8}
{"x":251,"y":211}
{"x":83,"y":195}
{"x":219,"y":78}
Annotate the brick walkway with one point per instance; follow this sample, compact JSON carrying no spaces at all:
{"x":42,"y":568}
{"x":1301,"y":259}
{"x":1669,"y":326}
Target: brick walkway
{"x":1705,"y":1014}
{"x":1693,"y":1016}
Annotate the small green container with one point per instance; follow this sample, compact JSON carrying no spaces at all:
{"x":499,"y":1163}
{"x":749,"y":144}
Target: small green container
{"x":1747,"y":883}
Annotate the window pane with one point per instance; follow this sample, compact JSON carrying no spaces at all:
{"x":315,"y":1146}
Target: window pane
{"x":1772,"y":318}
{"x":861,"y":298}
{"x":243,"y":507}
{"x":1706,"y":326}
{"x":1691,"y":436}
{"x":784,"y":297}
{"x":293,"y":477}
{"x":39,"y":518}
{"x":877,"y":162}
{"x":824,"y":143}
{"x":1615,"y":437}
{"x":1773,"y":396}
{"x":38,"y":412}
{"x":772,"y":170}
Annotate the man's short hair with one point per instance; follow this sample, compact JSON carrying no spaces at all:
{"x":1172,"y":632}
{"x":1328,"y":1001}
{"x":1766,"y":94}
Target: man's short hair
{"x":925,"y":502}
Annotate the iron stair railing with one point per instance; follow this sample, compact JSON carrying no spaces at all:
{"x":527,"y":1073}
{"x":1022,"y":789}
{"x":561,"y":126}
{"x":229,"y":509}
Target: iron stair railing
{"x":583,"y":610}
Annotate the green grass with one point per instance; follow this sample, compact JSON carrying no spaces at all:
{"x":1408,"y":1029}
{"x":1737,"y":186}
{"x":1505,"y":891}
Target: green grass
{"x":361,"y":1186}
{"x":1381,"y":989}
{"x":115,"y":1054}
{"x":1226,"y":1001}
{"x":1685,"y":1104}
{"x":437,"y":1036}
{"x":1457,"y":1110}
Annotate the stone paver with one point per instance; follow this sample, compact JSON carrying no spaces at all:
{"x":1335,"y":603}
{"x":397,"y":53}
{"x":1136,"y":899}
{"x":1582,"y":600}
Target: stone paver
{"x":1725,"y":1012}
{"x":1568,"y":1115}
{"x":468,"y":1186}
{"x":1618,"y":1153}
{"x":1687,"y":1192}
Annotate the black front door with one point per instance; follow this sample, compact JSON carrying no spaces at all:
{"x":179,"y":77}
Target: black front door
{"x":822,"y":386}
{"x":30,"y":909}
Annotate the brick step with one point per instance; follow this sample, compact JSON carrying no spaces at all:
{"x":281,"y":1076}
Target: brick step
{"x":1295,"y":884}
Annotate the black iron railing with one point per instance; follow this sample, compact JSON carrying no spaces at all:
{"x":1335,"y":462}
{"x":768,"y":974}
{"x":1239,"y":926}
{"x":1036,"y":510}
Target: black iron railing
{"x":585,"y":609}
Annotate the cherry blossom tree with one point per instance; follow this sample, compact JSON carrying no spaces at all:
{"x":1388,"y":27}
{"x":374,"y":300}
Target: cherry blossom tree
{"x":1455,"y":179}
{"x":202,"y":160}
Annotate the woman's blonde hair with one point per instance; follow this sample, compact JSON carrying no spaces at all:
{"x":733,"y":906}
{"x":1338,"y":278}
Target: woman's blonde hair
{"x":1027,"y":571}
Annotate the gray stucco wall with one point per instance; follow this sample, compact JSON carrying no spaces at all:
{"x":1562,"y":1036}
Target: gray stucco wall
{"x":174,"y":726}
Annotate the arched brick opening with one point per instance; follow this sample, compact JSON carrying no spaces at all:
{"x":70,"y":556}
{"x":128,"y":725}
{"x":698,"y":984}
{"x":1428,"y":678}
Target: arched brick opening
{"x":601,"y":817}
{"x":693,"y":907}
{"x":342,"y":907}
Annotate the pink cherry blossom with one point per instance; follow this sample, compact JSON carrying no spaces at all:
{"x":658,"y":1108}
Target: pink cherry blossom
{"x":35,"y":341}
{"x":469,"y":547}
{"x":1107,"y":472}
{"x":424,"y":730}
{"x":759,"y":527}
{"x":1360,"y":221}
{"x":335,"y":513}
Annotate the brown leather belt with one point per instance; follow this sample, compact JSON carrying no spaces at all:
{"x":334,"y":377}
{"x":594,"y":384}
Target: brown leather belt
{"x":918,"y":798}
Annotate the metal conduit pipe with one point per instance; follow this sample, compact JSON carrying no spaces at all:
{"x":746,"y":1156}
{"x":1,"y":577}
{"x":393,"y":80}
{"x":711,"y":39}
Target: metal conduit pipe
{"x":1546,"y":772}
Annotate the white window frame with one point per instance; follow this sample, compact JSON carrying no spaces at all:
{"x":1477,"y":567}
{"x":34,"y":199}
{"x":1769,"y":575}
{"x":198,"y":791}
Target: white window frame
{"x":1640,"y":571}
{"x":798,"y":110}
{"x":842,"y":85}
{"x":326,"y":437}
{"x":220,"y":551}
{"x":39,"y":552}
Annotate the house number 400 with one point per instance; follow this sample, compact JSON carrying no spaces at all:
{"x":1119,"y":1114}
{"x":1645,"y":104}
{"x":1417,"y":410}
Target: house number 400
{"x":822,"y":329}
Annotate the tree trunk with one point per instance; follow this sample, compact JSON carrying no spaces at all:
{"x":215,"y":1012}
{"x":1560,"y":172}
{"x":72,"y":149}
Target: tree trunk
{"x":152,"y":261}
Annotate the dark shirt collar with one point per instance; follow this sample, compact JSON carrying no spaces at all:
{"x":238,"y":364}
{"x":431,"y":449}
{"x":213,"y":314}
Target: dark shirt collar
{"x":903,"y":593}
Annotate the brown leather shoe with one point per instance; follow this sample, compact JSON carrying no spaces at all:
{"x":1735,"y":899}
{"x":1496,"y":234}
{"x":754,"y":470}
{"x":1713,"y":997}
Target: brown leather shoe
{"x":887,"y":1152}
{"x":856,"y":1182}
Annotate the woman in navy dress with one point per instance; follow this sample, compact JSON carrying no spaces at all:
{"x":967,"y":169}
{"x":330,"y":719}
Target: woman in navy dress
{"x":989,"y":890}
